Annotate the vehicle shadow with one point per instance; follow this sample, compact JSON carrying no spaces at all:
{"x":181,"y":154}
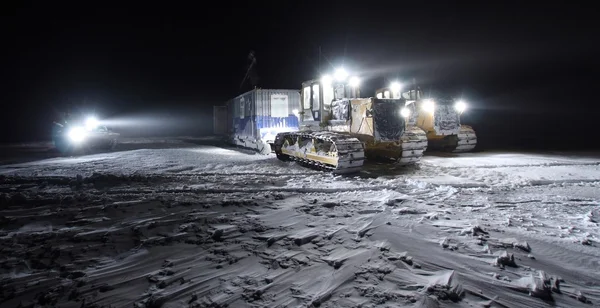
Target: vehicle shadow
{"x":442,"y":154}
{"x":376,"y":169}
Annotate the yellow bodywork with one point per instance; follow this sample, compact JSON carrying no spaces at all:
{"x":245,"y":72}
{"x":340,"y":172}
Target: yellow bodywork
{"x":463,"y":139}
{"x":330,"y":160}
{"x":424,"y":118}
{"x":361,"y":126}
{"x":388,"y":150}
{"x":342,"y":143}
{"x":425,"y":122}
{"x":310,"y":152}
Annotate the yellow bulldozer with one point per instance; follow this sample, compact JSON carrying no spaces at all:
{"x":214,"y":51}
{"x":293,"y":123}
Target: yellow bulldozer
{"x":338,"y":130}
{"x":438,"y":117}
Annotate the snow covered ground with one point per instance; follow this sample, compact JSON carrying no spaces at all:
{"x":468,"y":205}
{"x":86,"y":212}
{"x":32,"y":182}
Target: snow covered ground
{"x":183,"y":223}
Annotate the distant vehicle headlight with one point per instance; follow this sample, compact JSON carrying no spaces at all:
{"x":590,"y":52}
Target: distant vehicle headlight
{"x":460,"y":106}
{"x":91,"y":123}
{"x":429,"y":105}
{"x":76,"y":134}
{"x":340,"y":74}
{"x":395,"y":87}
{"x":405,"y":112}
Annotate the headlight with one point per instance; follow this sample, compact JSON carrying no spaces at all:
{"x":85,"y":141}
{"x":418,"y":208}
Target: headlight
{"x":405,"y":112}
{"x":460,"y":106}
{"x":395,"y":87}
{"x":340,"y":74}
{"x":76,"y":134}
{"x":91,"y":123}
{"x":354,"y":82}
{"x":429,"y":105}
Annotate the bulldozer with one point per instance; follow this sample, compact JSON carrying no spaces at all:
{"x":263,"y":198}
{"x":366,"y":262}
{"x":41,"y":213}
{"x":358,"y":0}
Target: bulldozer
{"x":438,"y":117}
{"x":338,"y":130}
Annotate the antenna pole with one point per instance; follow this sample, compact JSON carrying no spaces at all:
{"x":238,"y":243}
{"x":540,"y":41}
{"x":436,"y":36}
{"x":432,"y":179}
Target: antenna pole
{"x":253,"y":61}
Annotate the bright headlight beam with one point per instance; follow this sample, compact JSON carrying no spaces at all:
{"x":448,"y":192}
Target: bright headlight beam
{"x":91,"y":123}
{"x":326,"y":80}
{"x":340,"y":74}
{"x":429,"y":105}
{"x":76,"y":134}
{"x":405,"y":112}
{"x":395,"y":87}
{"x":354,"y":81}
{"x":460,"y":106}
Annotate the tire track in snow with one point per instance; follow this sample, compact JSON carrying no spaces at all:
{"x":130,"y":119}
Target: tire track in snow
{"x":9,"y":179}
{"x":134,"y":191}
{"x":568,"y":181}
{"x":516,"y":165}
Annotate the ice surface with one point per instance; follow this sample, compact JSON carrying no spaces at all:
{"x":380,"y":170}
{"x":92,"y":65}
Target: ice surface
{"x":172,"y":223}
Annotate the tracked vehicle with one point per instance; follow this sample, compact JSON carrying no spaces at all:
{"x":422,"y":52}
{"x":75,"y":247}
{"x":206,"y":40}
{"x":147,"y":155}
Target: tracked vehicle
{"x":72,"y":135}
{"x":438,"y":117}
{"x":338,"y":130}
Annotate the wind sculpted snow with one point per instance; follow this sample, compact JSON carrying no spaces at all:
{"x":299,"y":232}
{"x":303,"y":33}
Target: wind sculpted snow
{"x":204,"y":226}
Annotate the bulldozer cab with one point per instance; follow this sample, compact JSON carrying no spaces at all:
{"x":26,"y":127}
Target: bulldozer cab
{"x":317,"y":95}
{"x":413,"y":98}
{"x":439,"y":115}
{"x":389,"y":93}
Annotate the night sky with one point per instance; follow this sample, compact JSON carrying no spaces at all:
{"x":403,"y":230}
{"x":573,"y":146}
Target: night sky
{"x":530,"y":73}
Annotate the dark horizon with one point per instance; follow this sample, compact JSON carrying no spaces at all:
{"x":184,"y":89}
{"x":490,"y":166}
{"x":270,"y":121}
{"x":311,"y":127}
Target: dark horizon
{"x":524,"y":69}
